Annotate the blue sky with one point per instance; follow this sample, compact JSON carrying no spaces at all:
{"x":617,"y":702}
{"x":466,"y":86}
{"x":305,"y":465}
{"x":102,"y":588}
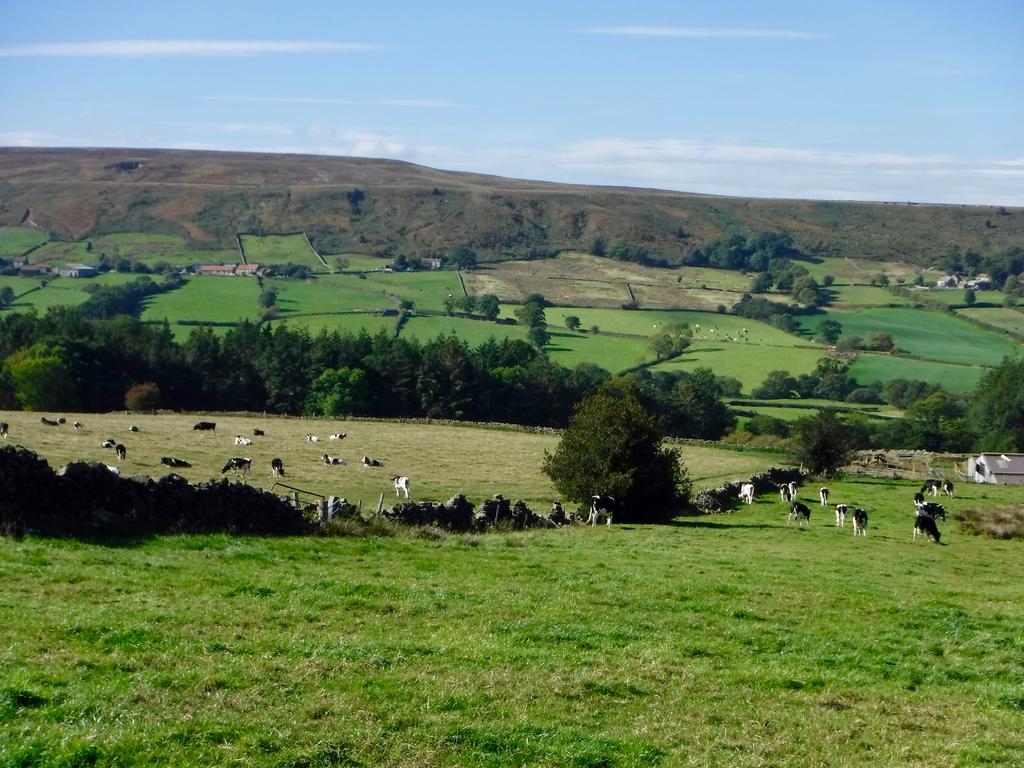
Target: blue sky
{"x":866,"y":100}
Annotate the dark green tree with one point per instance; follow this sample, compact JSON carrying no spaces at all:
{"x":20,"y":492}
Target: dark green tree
{"x":970,"y":297}
{"x":830,"y":331}
{"x":572,"y":322}
{"x":824,"y":443}
{"x":488,"y":306}
{"x":997,"y":408}
{"x":614,"y":445}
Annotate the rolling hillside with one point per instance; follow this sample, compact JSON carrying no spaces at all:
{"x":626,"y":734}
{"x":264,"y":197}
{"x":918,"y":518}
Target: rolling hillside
{"x":358,"y":205}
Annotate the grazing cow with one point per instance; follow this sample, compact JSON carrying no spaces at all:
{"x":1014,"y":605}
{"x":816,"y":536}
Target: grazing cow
{"x":947,"y":488}
{"x":108,"y":443}
{"x":3,"y":429}
{"x":931,"y":509}
{"x":50,"y":422}
{"x":823,"y":495}
{"x":931,"y":486}
{"x":258,"y":432}
{"x":841,"y":510}
{"x":122,"y":452}
{"x":924,"y":525}
{"x":332,"y":459}
{"x":277,"y":467}
{"x":206,"y":426}
{"x":312,"y":438}
{"x":78,"y":425}
{"x":239,"y":440}
{"x":747,"y":493}
{"x":170,"y":461}
{"x":787,"y":491}
{"x":337,"y":436}
{"x":918,"y":498}
{"x":860,"y":522}
{"x":237,"y":464}
{"x":133,"y":428}
{"x":601,"y":505}
{"x":368,"y":462}
{"x":401,"y":483}
{"x":799,"y":512}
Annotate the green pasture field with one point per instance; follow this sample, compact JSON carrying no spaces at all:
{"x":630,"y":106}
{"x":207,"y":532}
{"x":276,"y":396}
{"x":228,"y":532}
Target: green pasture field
{"x":359,"y":261}
{"x":923,"y":333}
{"x":328,"y":293}
{"x":1007,"y":318}
{"x":152,"y":248}
{"x":861,"y":271}
{"x":792,"y":410}
{"x":19,"y":284}
{"x":613,"y":353}
{"x":60,"y":291}
{"x":347,"y":322}
{"x":956,"y":378}
{"x":726,"y":640}
{"x":749,"y":363}
{"x":279,"y":249}
{"x":14,"y":241}
{"x":63,"y":252}
{"x":427,"y":290}
{"x":864,"y":296}
{"x":473,"y":332}
{"x":213,"y":299}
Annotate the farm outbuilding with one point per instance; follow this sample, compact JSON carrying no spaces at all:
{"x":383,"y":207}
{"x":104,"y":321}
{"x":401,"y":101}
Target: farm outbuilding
{"x":77,"y":270}
{"x":1001,"y":468}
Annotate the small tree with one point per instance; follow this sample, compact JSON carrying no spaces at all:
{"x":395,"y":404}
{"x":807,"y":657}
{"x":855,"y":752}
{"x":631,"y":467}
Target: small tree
{"x":488,"y":306}
{"x":538,"y":336}
{"x":143,"y":397}
{"x":572,"y":322}
{"x":341,"y":263}
{"x":970,"y":297}
{"x":6,"y":295}
{"x":824,"y":443}
{"x":614,"y":445}
{"x":830,"y":331}
{"x":267,"y":298}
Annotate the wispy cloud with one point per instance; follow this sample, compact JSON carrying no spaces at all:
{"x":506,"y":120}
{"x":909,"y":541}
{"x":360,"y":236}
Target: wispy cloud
{"x":701,"y":32}
{"x":153,"y":48}
{"x":403,"y":103}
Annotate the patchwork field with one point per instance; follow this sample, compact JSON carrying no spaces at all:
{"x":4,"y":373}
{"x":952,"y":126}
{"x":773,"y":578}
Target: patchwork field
{"x":279,"y":249}
{"x":792,"y":410}
{"x":427,"y":290}
{"x":922,"y":333}
{"x":209,"y":299}
{"x":14,"y":241}
{"x":956,"y":378}
{"x":699,"y":643}
{"x":749,"y":363}
{"x":328,"y":293}
{"x":1007,"y":318}
{"x":850,"y":296}
{"x":854,"y":271}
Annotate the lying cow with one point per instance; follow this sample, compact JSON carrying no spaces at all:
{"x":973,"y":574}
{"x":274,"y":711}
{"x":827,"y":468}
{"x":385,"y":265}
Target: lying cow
{"x":170,"y":461}
{"x":78,"y":425}
{"x":310,"y":438}
{"x":258,"y":432}
{"x":108,"y":443}
{"x":860,"y":522}
{"x":336,"y":436}
{"x":133,"y":428}
{"x":799,"y":512}
{"x":329,"y":460}
{"x":239,"y":440}
{"x":368,"y":462}
{"x":51,"y":422}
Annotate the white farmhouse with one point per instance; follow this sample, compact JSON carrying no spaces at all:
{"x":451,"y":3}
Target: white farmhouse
{"x":1002,"y":468}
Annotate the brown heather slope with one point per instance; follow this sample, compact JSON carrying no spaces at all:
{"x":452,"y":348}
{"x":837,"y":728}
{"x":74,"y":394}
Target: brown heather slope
{"x":413,"y":210}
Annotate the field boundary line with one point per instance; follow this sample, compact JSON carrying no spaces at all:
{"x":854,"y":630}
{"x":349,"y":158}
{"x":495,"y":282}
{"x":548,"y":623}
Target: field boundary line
{"x":314,"y":250}
{"x":241,"y":250}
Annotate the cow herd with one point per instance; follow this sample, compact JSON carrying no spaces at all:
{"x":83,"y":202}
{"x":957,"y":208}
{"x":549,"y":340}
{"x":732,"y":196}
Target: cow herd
{"x":926,"y":513}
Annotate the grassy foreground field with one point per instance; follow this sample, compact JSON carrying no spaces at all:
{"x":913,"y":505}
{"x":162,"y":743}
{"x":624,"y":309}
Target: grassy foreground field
{"x":726,"y":640}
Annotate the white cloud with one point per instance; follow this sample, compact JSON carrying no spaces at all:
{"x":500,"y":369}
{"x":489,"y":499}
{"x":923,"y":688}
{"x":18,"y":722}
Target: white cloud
{"x":150,"y":48}
{"x":702,"y":32}
{"x":27,"y":139}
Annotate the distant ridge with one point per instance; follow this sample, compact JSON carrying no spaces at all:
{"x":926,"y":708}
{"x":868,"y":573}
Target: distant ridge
{"x":350,"y":204}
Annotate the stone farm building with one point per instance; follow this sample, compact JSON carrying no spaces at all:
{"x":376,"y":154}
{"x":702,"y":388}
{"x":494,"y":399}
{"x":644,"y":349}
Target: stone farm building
{"x":1001,"y":468}
{"x":77,"y":270}
{"x":229,"y":270}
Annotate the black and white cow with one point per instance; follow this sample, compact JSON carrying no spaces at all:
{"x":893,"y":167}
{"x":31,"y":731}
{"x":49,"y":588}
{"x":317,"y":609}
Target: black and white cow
{"x":823,"y":496}
{"x":787,"y":491}
{"x":932,"y":509}
{"x":918,"y":498}
{"x":947,"y":488}
{"x":368,"y":462}
{"x":311,"y":438}
{"x":258,"y":432}
{"x":239,"y":440}
{"x":277,"y":467}
{"x":78,"y":425}
{"x":601,"y":505}
{"x":747,"y":493}
{"x":108,"y":443}
{"x":924,"y":525}
{"x":860,"y":522}
{"x":4,"y":426}
{"x":237,"y":464}
{"x":133,"y":428}
{"x":206,"y":426}
{"x":337,"y":436}
{"x":401,"y":483}
{"x":51,"y":422}
{"x":799,"y":512}
{"x":329,"y":460}
{"x":931,"y":486}
{"x":121,"y":451}
{"x":841,"y":510}
{"x":170,"y":461}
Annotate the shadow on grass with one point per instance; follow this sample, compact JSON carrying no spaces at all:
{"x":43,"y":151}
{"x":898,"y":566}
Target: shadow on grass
{"x":685,"y":523}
